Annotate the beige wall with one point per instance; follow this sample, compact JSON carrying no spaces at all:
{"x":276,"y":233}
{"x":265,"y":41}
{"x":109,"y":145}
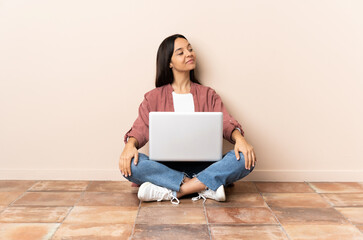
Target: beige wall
{"x":73,"y":73}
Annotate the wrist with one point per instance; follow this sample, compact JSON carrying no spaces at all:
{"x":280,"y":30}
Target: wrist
{"x":240,"y":139}
{"x":131,"y":143}
{"x":237,"y":136}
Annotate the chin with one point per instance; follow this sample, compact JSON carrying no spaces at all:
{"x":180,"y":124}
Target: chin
{"x":191,"y":67}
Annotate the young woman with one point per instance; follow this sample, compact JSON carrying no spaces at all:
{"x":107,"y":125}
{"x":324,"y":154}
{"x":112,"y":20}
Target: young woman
{"x":177,"y":89}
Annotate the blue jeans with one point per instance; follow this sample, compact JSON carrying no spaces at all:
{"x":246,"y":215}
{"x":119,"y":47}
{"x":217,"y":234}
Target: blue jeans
{"x":171,"y":174}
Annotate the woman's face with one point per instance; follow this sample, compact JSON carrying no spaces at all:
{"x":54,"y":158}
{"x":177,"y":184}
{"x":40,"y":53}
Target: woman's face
{"x":183,"y":58}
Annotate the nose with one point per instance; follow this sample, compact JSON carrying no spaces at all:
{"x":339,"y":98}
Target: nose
{"x":189,"y":53}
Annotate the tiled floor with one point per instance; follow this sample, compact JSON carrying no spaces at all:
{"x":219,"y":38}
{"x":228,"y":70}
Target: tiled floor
{"x":110,"y":210}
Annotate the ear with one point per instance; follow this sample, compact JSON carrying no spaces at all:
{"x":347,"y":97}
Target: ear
{"x":170,"y":65}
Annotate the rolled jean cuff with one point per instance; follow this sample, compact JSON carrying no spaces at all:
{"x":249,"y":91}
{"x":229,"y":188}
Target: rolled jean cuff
{"x":213,"y":185}
{"x":176,"y":183}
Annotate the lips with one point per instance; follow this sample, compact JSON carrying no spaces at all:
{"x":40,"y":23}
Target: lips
{"x":191,"y":61}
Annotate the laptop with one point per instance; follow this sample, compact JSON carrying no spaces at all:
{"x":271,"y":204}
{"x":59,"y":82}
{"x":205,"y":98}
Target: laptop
{"x":185,"y":136}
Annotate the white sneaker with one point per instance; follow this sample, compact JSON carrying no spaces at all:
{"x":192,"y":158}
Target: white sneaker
{"x":151,"y":192}
{"x":218,"y":195}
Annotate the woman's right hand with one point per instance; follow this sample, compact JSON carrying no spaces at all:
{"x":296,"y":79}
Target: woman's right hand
{"x":129,"y":152}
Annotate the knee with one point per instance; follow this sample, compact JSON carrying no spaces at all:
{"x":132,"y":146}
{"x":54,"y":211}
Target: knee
{"x":243,"y":163}
{"x":231,"y":156}
{"x":136,"y":170}
{"x":244,"y":171}
{"x":239,"y":165}
{"x":141,"y":160}
{"x":141,"y":157}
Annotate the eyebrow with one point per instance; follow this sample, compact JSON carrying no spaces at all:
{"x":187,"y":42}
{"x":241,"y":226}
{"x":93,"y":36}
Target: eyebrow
{"x":181,"y":48}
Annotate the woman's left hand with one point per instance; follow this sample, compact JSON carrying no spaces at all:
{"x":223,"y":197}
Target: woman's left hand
{"x":243,"y":146}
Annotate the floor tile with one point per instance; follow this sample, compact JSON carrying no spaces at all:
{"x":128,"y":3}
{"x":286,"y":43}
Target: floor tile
{"x":287,"y":200}
{"x":241,"y":187}
{"x":309,"y":215}
{"x":111,"y":186}
{"x":8,"y":197}
{"x":15,"y":185}
{"x":27,"y":231}
{"x":225,"y":215}
{"x":323,"y":232}
{"x":283,"y":187}
{"x":48,"y":199}
{"x":184,"y":202}
{"x":239,"y":200}
{"x":337,"y":187}
{"x":102,"y":214}
{"x":171,"y":215}
{"x":354,"y":214}
{"x":109,"y":199}
{"x":93,"y":231}
{"x":344,"y":199}
{"x":175,"y":232}
{"x":59,"y":186}
{"x":2,"y":208}
{"x":258,"y":232}
{"x":34,"y":214}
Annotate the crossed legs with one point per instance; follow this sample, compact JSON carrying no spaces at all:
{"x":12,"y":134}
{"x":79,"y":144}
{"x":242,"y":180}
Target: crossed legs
{"x":223,"y":172}
{"x":190,"y":185}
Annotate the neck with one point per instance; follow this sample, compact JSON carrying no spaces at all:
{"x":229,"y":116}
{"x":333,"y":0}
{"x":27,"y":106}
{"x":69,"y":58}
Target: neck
{"x":181,"y":83}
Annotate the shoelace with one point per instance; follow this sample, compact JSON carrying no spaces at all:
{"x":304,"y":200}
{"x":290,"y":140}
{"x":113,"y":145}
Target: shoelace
{"x":173,"y":200}
{"x":176,"y":200}
{"x":199,"y":197}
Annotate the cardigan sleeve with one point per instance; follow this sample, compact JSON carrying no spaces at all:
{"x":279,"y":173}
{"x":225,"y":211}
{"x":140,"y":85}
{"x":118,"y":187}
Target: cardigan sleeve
{"x":140,"y":128}
{"x":229,"y":123}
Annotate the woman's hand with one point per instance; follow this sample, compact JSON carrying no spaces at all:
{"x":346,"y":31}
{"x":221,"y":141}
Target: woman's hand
{"x":129,"y":152}
{"x":241,"y":145}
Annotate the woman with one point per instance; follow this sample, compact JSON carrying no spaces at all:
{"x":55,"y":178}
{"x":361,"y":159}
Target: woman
{"x":177,"y":89}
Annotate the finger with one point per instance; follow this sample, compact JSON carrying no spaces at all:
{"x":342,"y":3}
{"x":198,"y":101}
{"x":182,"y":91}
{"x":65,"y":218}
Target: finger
{"x":128,"y":172}
{"x":122,"y":170}
{"x":120,"y":165}
{"x":136,"y":158}
{"x":124,"y":167}
{"x":246,"y":159}
{"x":253,"y":159}
{"x":129,"y":167}
{"x":249,"y":160}
{"x":237,"y":153}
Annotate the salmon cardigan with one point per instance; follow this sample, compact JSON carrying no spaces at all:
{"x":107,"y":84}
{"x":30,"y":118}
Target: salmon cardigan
{"x":161,"y":100}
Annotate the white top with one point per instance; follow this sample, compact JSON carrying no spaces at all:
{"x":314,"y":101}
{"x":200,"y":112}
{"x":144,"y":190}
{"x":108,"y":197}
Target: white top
{"x":183,"y":102}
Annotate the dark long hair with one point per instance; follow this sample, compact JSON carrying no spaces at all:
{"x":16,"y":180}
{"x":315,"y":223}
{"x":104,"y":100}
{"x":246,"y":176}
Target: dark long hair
{"x":164,"y":74}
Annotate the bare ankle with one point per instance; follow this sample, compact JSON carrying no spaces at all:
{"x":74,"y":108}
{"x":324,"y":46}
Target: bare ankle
{"x":186,"y":179}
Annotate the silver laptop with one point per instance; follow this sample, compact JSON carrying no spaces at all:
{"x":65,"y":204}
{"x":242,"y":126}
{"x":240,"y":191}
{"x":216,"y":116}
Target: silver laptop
{"x":189,"y":136}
